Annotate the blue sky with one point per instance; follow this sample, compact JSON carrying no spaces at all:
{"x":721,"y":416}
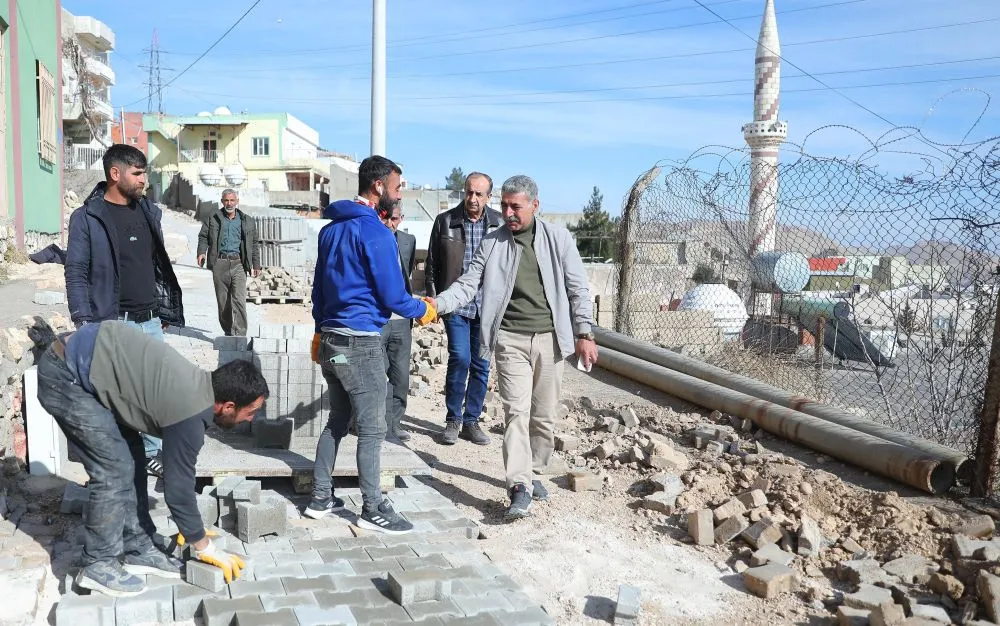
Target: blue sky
{"x":575,"y":94}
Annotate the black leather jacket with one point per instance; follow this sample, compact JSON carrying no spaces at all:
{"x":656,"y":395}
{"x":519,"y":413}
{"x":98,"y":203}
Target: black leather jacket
{"x":446,"y":249}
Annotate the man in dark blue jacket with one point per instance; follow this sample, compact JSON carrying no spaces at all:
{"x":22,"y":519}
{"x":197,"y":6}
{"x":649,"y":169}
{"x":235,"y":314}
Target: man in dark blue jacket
{"x":357,"y":286}
{"x":116,"y":264}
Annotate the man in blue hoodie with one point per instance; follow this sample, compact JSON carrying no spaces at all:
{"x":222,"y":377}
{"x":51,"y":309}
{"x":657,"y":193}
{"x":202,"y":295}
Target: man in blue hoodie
{"x":358,"y":285}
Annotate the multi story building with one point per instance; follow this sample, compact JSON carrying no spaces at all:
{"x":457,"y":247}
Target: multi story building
{"x":128,"y":130}
{"x":272,"y":159}
{"x":30,"y":153}
{"x":87,"y":78}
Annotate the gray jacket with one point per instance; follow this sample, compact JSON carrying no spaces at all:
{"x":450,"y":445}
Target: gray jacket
{"x":494,"y":268}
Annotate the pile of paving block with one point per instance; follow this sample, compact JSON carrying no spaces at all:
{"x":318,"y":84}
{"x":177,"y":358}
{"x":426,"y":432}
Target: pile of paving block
{"x":436,"y":575}
{"x":275,"y":283}
{"x":235,"y":505}
{"x":281,"y":239}
{"x":298,"y":403}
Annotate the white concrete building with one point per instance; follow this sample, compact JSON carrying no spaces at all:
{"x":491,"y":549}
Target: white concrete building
{"x":87,"y":114}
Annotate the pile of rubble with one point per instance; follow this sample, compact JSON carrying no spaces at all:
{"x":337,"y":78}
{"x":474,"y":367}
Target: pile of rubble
{"x":276,"y":283}
{"x":863,"y":556}
{"x":17,"y":354}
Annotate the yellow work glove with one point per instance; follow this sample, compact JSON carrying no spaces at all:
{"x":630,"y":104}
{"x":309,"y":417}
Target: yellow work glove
{"x":230,"y":564}
{"x":430,"y":315}
{"x":208,"y":533}
{"x":314,"y":348}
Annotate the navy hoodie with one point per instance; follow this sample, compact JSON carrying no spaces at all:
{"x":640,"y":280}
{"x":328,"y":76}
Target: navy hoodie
{"x":358,"y":284}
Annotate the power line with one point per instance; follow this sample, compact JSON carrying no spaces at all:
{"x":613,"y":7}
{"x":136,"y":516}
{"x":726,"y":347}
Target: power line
{"x":700,"y":83}
{"x":742,"y":93}
{"x":203,"y":54}
{"x":630,"y":60}
{"x":475,"y":34}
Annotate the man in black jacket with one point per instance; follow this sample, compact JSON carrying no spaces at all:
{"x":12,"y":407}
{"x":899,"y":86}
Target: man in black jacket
{"x":455,"y":237}
{"x":397,"y":337}
{"x":228,"y":241}
{"x":106,"y":383}
{"x":116,"y":264}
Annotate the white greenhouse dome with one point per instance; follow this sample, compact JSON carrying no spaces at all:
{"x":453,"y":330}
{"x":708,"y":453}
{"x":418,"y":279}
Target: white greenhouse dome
{"x":722,"y":302}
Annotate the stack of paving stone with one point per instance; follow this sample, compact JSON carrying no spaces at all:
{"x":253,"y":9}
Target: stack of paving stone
{"x":281,"y":239}
{"x":436,"y":575}
{"x":276,"y":283}
{"x":236,"y":505}
{"x":298,"y":401}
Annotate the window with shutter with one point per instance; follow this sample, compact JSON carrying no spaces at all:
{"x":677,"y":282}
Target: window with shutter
{"x":47,"y":139}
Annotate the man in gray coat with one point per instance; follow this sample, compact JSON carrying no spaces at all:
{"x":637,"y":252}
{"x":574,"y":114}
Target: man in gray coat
{"x":536,"y":312}
{"x":397,"y":336}
{"x":228,"y":241}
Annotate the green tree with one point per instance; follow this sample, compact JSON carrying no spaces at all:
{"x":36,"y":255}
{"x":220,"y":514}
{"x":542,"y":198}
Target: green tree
{"x":596,"y":231}
{"x":455,"y":181}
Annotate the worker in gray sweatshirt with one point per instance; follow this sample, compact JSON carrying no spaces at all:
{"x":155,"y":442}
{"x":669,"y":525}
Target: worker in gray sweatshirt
{"x":105,"y":384}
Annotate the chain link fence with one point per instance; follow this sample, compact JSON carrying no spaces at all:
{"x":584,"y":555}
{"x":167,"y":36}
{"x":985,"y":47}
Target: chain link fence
{"x":879,"y":294}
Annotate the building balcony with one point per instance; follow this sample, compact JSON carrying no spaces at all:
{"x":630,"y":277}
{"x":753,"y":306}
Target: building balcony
{"x":94,"y":32}
{"x":103,"y":109}
{"x":201,"y":156}
{"x":100,"y":70}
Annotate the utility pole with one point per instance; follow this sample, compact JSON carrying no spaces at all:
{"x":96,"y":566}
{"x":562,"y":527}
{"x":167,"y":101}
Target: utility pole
{"x":378,"y":77}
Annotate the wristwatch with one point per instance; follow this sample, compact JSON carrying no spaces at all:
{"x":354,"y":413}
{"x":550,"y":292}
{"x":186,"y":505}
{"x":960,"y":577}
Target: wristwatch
{"x":587,"y":336}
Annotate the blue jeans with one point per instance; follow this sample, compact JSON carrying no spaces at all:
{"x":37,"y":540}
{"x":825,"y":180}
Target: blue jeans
{"x":153,"y":328}
{"x":117,"y":517}
{"x":354,"y":370}
{"x":468,"y":373}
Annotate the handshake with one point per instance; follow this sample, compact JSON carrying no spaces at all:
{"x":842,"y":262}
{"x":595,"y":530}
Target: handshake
{"x":431,"y":314}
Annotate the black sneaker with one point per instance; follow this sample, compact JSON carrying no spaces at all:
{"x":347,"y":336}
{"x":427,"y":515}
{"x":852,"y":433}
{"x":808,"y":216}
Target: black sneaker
{"x":154,"y":465}
{"x":520,"y":502}
{"x":110,"y":578}
{"x":320,"y":508}
{"x":475,"y":434}
{"x":450,"y":434}
{"x":153,"y":563}
{"x":538,"y":491}
{"x":384,"y":520}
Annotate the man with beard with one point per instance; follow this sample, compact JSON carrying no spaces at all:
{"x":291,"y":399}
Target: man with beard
{"x":117,"y":267}
{"x":536,"y":312}
{"x":358,"y":285}
{"x":228,"y":242}
{"x":103,"y":385}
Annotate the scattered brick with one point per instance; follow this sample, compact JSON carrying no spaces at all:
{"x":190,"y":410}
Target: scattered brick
{"x":729,"y":529}
{"x":978,"y":526}
{"x":752,"y":499}
{"x":583,"y":480}
{"x":762,"y":533}
{"x":767,"y":581}
{"x":628,"y":605}
{"x":729,"y":509}
{"x":700,"y":527}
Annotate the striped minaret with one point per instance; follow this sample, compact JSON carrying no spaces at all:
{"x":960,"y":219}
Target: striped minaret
{"x":765,"y":135}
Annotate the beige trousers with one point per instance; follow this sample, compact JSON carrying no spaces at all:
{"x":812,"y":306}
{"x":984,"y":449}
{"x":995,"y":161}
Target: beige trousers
{"x":529,"y":373}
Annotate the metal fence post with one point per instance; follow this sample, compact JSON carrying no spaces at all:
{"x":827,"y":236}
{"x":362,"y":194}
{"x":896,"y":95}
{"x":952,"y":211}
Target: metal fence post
{"x":820,"y":340}
{"x":626,"y":250}
{"x":986,"y":442}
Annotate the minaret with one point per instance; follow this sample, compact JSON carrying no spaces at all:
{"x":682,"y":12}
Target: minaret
{"x":764,"y":135}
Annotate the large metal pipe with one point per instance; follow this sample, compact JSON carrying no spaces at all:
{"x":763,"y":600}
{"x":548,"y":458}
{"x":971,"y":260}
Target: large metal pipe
{"x":672,"y":360}
{"x":913,"y":467}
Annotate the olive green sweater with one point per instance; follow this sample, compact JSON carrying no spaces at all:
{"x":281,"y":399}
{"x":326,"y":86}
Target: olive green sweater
{"x":528,"y":311}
